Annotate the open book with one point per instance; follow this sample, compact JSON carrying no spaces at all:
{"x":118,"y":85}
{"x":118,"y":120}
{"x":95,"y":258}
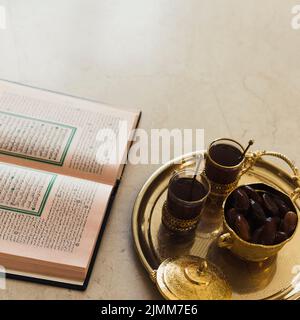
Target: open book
{"x":54,"y":193}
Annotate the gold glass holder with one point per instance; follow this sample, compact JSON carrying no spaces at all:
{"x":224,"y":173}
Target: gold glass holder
{"x":221,"y":190}
{"x":251,"y":158}
{"x":178,"y":225}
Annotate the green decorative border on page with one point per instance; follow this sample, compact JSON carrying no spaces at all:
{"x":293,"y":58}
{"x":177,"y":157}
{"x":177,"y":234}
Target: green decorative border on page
{"x":64,"y":153}
{"x":43,"y":203}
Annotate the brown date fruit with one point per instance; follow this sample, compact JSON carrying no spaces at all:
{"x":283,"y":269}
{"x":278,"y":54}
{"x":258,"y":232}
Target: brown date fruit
{"x":278,"y":221}
{"x":280,"y":237}
{"x":257,"y":235}
{"x":290,"y":222}
{"x":242,"y":228}
{"x":252,"y":194}
{"x":270,"y":205}
{"x":241,"y":200}
{"x":280,"y":227}
{"x":257,"y":212}
{"x":282,"y":206}
{"x":269,"y":232}
{"x":231,"y":214}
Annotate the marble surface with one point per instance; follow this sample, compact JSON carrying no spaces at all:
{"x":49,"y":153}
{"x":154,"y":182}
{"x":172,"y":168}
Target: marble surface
{"x":231,"y":67}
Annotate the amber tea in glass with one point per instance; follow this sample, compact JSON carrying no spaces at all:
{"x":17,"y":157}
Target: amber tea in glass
{"x":185,"y":200}
{"x":224,"y":161}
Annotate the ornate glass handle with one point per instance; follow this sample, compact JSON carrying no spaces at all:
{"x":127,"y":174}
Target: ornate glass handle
{"x":251,"y":159}
{"x":225,"y":241}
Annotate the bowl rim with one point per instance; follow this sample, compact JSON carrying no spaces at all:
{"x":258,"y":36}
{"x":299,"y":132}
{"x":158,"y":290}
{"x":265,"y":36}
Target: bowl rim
{"x":257,"y":245}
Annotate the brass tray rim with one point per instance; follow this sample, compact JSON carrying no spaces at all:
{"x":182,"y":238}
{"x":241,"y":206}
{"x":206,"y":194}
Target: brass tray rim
{"x":281,"y":294}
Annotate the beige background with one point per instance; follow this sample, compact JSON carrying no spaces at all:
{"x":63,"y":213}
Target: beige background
{"x":229,"y":66}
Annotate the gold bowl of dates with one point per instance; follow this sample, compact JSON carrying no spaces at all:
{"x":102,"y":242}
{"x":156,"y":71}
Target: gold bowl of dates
{"x":258,"y":221}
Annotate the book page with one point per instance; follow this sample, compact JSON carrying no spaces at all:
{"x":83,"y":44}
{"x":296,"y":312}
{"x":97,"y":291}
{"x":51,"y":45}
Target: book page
{"x":58,"y":133}
{"x":49,"y":218}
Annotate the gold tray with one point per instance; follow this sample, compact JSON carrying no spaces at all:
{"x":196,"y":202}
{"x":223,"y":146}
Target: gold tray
{"x":276,"y":278}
